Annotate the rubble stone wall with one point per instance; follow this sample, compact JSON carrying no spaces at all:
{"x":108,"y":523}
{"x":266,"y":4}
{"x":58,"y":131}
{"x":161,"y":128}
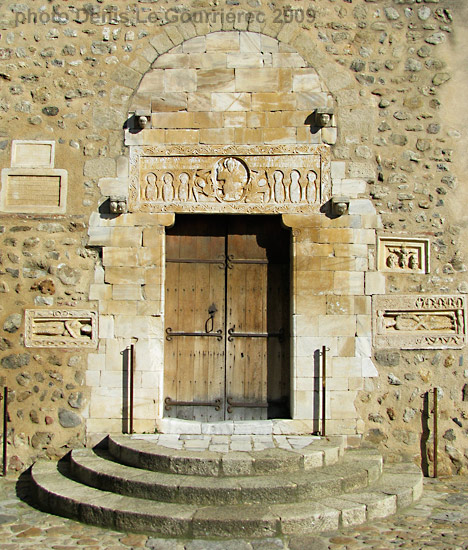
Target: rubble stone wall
{"x":393,"y":73}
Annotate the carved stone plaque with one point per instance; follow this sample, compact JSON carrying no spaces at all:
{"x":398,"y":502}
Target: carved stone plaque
{"x":419,"y":322}
{"x":403,"y":255}
{"x":34,"y":190}
{"x":248,"y":179}
{"x":60,"y":328}
{"x":32,"y":153}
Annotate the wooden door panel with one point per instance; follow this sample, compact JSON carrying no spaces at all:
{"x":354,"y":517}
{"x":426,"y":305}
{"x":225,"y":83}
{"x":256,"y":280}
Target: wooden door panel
{"x":278,"y":376}
{"x":194,"y":365}
{"x":246,"y":313}
{"x":239,"y":265}
{"x":246,"y":368}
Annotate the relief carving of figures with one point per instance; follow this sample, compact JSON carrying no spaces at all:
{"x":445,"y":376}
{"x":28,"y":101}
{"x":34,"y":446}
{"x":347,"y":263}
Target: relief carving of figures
{"x":258,"y":189}
{"x":311,"y":189}
{"x":168,"y":187}
{"x":73,"y":328}
{"x":400,"y":253}
{"x":270,"y":181}
{"x":184,"y":188}
{"x":278,"y":186}
{"x":413,"y":262}
{"x":295,"y":187}
{"x":150,"y":190}
{"x":204,"y":185}
{"x":60,"y":328}
{"x":423,"y":321}
{"x":419,"y":322}
{"x":402,"y":257}
{"x":231,"y":177}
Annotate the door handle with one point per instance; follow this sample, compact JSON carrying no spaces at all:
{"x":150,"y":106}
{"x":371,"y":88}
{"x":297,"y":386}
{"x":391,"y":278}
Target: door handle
{"x":209,"y":324}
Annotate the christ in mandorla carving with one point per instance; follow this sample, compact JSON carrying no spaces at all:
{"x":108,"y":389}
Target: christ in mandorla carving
{"x":231,"y":178}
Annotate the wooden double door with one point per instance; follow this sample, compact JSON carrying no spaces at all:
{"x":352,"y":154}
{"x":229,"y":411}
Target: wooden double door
{"x":227,"y":318}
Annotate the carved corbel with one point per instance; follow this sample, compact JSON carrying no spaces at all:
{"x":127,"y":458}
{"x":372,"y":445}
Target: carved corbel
{"x":323,"y":117}
{"x":340,"y":206}
{"x":118,"y":205}
{"x":143,"y":119}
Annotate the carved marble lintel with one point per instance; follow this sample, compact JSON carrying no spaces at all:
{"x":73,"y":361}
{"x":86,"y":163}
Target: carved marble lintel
{"x":61,"y":328}
{"x":403,"y":255}
{"x":274,"y":179}
{"x":419,"y":322}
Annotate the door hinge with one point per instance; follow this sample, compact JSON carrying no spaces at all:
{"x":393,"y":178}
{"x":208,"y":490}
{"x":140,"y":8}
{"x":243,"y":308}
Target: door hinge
{"x":169,"y":403}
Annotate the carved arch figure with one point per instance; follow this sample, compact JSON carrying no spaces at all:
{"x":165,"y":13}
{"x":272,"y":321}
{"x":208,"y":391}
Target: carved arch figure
{"x":150,"y":190}
{"x":278,"y":186}
{"x":295,"y":187}
{"x":311,"y":189}
{"x":168,"y":187}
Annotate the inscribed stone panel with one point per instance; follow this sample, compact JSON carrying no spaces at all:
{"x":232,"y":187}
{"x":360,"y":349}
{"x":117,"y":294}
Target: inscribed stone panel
{"x":34,"y":190}
{"x":61,"y":328}
{"x":419,"y":322}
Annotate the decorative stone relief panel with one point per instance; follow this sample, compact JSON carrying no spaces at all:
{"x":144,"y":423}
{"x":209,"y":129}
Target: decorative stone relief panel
{"x":419,"y":322}
{"x":32,"y":184}
{"x":400,"y":255}
{"x":273,"y":179}
{"x":61,"y":328}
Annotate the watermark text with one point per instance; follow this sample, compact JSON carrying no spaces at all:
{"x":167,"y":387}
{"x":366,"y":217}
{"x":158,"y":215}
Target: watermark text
{"x":137,"y":16}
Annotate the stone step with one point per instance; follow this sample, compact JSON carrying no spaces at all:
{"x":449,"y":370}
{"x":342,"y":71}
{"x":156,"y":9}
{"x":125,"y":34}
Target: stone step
{"x":148,"y":455}
{"x":94,"y":468}
{"x":58,"y":493}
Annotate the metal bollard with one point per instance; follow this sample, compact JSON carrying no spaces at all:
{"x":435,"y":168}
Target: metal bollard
{"x":5,"y":430}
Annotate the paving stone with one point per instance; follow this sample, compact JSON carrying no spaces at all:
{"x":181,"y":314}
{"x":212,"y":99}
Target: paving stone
{"x":218,"y":545}
{"x":136,"y":541}
{"x":267,"y":544}
{"x":307,"y":543}
{"x":31,"y":532}
{"x":241,"y":446}
{"x":162,"y":544}
{"x":6,"y":519}
{"x":219,"y":448}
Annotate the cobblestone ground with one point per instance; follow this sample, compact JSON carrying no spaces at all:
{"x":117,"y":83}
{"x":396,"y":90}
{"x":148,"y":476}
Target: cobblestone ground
{"x":439,"y":520}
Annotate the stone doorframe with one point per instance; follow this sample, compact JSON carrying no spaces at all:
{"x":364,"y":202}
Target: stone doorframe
{"x":333,"y":277}
{"x":331,"y":306}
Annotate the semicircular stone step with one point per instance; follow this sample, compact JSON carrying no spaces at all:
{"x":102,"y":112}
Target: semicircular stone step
{"x":57,"y":493}
{"x":96,"y":470}
{"x":149,"y":455}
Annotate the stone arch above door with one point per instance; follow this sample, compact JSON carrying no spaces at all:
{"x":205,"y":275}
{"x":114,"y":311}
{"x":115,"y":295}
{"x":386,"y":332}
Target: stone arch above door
{"x":230,"y":88}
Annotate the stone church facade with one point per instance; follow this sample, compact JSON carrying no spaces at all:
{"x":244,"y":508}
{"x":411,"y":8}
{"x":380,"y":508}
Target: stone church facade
{"x":326,"y":141}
